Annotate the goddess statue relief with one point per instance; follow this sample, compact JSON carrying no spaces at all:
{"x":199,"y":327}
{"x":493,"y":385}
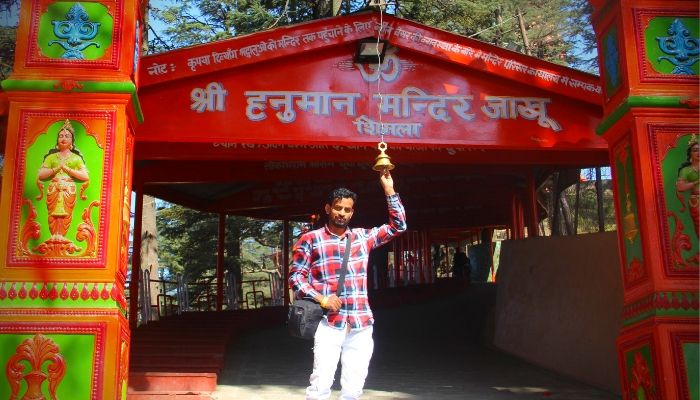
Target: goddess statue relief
{"x":689,"y":180}
{"x":62,"y":166}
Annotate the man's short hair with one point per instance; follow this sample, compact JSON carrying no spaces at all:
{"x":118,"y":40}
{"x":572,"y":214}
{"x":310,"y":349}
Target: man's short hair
{"x":341,"y":193}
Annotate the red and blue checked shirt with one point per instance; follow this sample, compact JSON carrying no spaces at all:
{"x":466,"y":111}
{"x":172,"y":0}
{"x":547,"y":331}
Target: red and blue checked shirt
{"x":317,"y":260}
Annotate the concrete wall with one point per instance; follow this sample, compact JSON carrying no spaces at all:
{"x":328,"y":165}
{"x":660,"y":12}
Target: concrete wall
{"x":559,"y":305}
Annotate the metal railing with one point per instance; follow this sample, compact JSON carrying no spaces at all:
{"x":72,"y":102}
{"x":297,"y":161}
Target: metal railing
{"x":173,"y":297}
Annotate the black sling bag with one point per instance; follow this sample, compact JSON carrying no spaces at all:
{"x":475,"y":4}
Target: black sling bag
{"x":304,"y":315}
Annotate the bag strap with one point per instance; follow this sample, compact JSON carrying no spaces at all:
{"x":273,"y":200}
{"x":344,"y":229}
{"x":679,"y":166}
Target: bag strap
{"x":341,"y":282}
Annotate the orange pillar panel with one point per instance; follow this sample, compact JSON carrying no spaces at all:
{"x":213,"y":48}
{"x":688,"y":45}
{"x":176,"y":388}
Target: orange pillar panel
{"x":649,"y":71}
{"x":65,"y":201}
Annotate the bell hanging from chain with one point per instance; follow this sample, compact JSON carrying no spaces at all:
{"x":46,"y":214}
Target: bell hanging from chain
{"x":382,"y":162}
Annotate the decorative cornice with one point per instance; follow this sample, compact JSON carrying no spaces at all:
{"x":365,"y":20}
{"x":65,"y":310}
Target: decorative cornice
{"x":662,"y":304}
{"x":69,"y":85}
{"x":645,"y":101}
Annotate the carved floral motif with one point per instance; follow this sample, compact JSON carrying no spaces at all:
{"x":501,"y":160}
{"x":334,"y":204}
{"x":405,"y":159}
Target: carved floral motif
{"x":35,"y":352}
{"x":86,"y":231}
{"x":30,"y":231}
{"x":641,"y":379}
{"x":680,"y":242}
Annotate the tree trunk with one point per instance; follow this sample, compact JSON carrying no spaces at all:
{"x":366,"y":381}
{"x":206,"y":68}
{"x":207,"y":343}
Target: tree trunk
{"x":149,"y":244}
{"x":599,"y":196}
{"x":322,"y":9}
{"x":499,"y":25}
{"x":566,"y":211}
{"x":336,"y":7}
{"x":577,"y":206}
{"x":523,"y":31}
{"x":554,"y":204}
{"x":233,"y":251}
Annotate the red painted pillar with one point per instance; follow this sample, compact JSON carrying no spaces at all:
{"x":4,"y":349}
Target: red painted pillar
{"x":395,"y":249}
{"x":420,"y":257}
{"x":285,"y":260}
{"x":136,"y":257}
{"x":514,"y":218}
{"x":413,"y":251}
{"x":650,"y":94}
{"x":220,"y":262}
{"x":521,"y":216}
{"x":533,"y":221}
{"x":427,"y":258}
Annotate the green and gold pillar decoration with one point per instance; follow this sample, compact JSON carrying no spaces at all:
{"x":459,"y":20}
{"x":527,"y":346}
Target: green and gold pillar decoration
{"x":648,"y":52}
{"x":66,"y":198}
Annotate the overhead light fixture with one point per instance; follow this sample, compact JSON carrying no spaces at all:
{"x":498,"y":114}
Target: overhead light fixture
{"x":377,"y":3}
{"x":370,"y":50}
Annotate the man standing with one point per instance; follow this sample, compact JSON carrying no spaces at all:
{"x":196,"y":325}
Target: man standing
{"x":346,"y":331}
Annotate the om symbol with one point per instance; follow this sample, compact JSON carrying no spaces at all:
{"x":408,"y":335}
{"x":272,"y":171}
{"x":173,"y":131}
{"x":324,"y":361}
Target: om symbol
{"x":388,"y":70}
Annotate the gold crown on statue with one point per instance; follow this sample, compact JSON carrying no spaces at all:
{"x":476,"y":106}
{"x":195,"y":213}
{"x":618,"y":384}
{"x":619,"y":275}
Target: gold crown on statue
{"x":693,"y":140}
{"x":67,"y":126}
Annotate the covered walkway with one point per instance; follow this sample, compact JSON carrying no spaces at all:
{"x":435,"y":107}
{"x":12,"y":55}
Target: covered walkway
{"x":435,"y":350}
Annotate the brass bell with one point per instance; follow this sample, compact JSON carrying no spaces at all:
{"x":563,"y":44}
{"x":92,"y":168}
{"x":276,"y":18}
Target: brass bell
{"x":382,"y":162}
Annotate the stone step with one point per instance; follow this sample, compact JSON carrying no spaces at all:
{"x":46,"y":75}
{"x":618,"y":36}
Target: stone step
{"x":172,"y":381}
{"x":179,"y":362}
{"x":170,"y":348}
{"x":168,"y":395}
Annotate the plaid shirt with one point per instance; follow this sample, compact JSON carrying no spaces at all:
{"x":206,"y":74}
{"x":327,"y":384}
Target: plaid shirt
{"x":317,"y":261}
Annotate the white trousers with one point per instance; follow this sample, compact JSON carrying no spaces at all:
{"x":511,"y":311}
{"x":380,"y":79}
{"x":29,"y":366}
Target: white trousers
{"x":354,"y":348}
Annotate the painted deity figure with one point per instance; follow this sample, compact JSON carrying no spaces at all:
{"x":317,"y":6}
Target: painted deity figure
{"x":689,"y":180}
{"x":62,"y":166}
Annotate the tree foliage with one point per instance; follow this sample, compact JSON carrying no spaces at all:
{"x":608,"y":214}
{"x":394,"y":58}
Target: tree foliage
{"x":556,"y":30}
{"x":8,"y":5}
{"x":192,"y":22}
{"x":9,"y":12}
{"x":582,"y":35}
{"x":188,"y":240}
{"x":571,"y":200}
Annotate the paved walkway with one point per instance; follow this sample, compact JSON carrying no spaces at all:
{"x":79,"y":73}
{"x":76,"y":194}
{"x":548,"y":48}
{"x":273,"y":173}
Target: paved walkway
{"x":420,"y":354}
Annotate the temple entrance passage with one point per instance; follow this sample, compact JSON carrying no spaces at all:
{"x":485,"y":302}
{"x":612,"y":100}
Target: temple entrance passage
{"x":437,"y":349}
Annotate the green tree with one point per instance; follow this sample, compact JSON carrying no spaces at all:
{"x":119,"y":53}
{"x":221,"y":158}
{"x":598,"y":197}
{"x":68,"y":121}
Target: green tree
{"x":188,"y":240}
{"x":582,"y":36}
{"x":7,"y":50}
{"x":558,"y":31}
{"x":192,"y":22}
{"x":9,"y":18}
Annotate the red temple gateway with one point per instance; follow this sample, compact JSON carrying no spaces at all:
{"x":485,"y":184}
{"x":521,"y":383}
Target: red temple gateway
{"x":273,"y":121}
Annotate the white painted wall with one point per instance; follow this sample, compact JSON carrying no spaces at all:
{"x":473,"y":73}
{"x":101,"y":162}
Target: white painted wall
{"x":559,"y":305}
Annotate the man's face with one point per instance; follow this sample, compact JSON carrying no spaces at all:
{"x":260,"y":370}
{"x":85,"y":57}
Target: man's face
{"x":340,"y":212}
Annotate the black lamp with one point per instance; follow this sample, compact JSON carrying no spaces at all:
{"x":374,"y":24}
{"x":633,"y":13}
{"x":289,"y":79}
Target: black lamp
{"x":370,"y":50}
